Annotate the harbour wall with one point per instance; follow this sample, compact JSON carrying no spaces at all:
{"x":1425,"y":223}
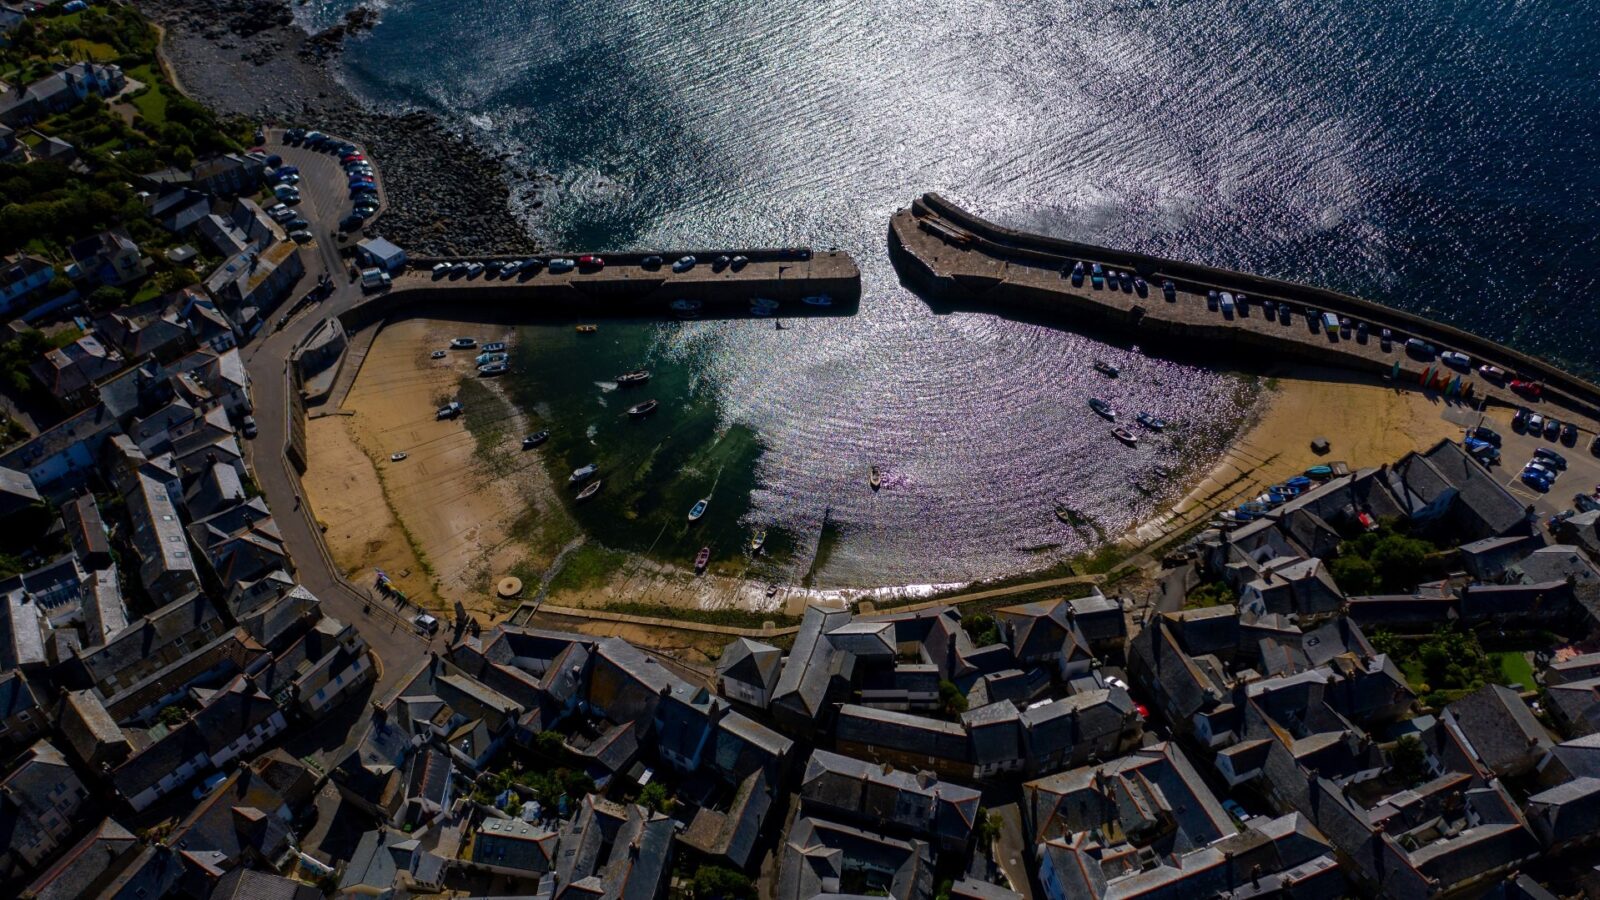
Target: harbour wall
{"x":956,"y":258}
{"x":626,"y":288}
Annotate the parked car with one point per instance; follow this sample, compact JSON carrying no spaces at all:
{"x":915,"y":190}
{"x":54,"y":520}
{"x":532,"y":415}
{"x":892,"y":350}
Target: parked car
{"x":1487,"y":435}
{"x":1545,"y":454}
{"x":1533,"y":479}
{"x":1519,"y":422}
{"x":474,"y":269}
{"x":296,"y":224}
{"x":1535,"y":424}
{"x":684,"y":264}
{"x":441,"y":269}
{"x":1527,"y":388}
{"x":562,"y":264}
{"x":1456,"y":360}
{"x":1594,"y":445}
{"x":1569,"y":434}
{"x":1492,"y":373}
{"x":651,"y":262}
{"x":591,"y":261}
{"x":300,"y":236}
{"x":1420,"y":348}
{"x":1552,"y":429}
{"x":426,"y":624}
{"x":247,"y":425}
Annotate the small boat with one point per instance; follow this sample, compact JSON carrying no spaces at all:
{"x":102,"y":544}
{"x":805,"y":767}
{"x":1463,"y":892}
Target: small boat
{"x":485,"y":359}
{"x":494,"y":347}
{"x":1152,"y":422}
{"x":587,"y":329}
{"x":396,"y":457}
{"x":640,"y":410}
{"x":685,"y":305}
{"x":758,"y":539}
{"x":1069,"y":516}
{"x":1255,"y":509}
{"x":583,"y":474}
{"x":772,"y":589}
{"x":1126,"y":436}
{"x":1106,"y":369}
{"x":817,"y":300}
{"x":1162,"y":472}
{"x":760,"y":310}
{"x":438,"y":354}
{"x":535,"y":439}
{"x":631,"y":379}
{"x":1321,"y":473}
{"x":592,"y":489}
{"x":763,"y":302}
{"x":1299,"y":482}
{"x":875,"y":478}
{"x":1103,"y":408}
{"x":702,"y":559}
{"x":493,"y":369}
{"x":699,"y":509}
{"x":463,"y":343}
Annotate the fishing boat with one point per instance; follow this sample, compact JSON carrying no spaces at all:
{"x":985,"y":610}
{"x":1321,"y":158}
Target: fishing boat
{"x":875,"y":478}
{"x":699,"y":509}
{"x":535,"y":439}
{"x":640,"y":410}
{"x":580,"y":475}
{"x":1152,"y":422}
{"x":758,"y":539}
{"x":817,"y":300}
{"x":493,"y":369}
{"x":1106,"y":369}
{"x":592,"y":489}
{"x":588,"y":329}
{"x":1126,"y":436}
{"x":702,"y":559}
{"x":1103,"y":408}
{"x":633,"y":379}
{"x":685,"y":305}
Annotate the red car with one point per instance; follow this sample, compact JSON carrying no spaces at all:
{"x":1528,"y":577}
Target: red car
{"x":590,"y":261}
{"x":1527,"y":388}
{"x":352,"y":157}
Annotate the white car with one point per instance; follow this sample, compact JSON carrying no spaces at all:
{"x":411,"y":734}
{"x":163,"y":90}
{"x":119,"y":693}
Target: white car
{"x":1456,"y":360}
{"x":683,"y":264}
{"x":1114,"y":681}
{"x":441,"y":269}
{"x":425,"y":623}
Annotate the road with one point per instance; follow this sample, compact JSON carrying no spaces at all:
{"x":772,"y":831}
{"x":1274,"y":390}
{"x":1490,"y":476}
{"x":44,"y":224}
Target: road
{"x":266,"y":357}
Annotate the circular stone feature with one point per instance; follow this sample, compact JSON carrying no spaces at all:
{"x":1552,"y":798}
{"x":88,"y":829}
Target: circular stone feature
{"x":509,"y":587}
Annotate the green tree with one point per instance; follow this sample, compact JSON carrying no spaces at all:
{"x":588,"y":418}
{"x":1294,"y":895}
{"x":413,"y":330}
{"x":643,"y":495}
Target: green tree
{"x":1212,"y":593}
{"x":720,"y":883}
{"x":1353,"y":574}
{"x":1398,"y":561}
{"x":1409,"y":761}
{"x":654,"y":797}
{"x":172,"y":716}
{"x":951,"y":698}
{"x":106,"y":297}
{"x":989,"y":826}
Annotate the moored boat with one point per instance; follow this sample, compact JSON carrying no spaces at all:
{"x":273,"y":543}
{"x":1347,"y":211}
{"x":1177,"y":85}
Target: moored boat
{"x":817,"y":300}
{"x":1106,"y":369}
{"x":685,"y":305}
{"x":493,"y":369}
{"x":1152,"y":422}
{"x":699,"y":509}
{"x":582,"y":474}
{"x":588,"y":329}
{"x":485,"y":359}
{"x":1321,"y":473}
{"x":1103,"y":408}
{"x":758,"y":539}
{"x":763,"y":302}
{"x":640,"y":410}
{"x":592,"y":489}
{"x":702,"y":559}
{"x":1126,"y":436}
{"x":535,"y":439}
{"x":875,"y":478}
{"x":631,"y":379}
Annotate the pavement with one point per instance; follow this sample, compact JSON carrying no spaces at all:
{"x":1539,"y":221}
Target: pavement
{"x":388,"y":632}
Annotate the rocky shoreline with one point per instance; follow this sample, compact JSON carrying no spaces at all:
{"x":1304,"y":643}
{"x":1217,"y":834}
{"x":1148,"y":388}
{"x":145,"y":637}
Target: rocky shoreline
{"x":248,"y":57}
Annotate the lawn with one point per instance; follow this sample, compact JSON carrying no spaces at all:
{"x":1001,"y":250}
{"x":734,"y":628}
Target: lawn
{"x":93,"y":50}
{"x":1514,"y":668}
{"x":151,"y":101}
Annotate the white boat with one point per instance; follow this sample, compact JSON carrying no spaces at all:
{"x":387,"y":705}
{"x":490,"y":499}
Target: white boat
{"x":493,"y":369}
{"x":817,"y":300}
{"x":583,"y":474}
{"x":699,"y":509}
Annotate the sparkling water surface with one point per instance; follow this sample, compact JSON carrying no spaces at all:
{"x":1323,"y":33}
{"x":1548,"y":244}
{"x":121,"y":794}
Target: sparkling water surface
{"x":1439,"y":157}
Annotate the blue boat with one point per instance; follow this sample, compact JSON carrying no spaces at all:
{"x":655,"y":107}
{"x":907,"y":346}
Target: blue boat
{"x":699,"y":509}
{"x":1299,"y":482}
{"x":1252,"y":510}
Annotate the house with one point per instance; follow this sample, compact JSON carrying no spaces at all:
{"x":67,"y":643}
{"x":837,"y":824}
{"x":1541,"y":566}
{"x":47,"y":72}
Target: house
{"x":149,"y":644}
{"x":903,"y":740}
{"x":241,"y":541}
{"x":17,"y":493}
{"x":95,"y":860}
{"x":166,"y":567}
{"x":69,"y":373}
{"x":39,"y":803}
{"x":227,"y":174}
{"x":23,"y":279}
{"x":1577,"y":704}
{"x":1045,"y":634}
{"x":322,"y":669}
{"x":917,"y":804}
{"x":209,"y":377}
{"x":177,"y":209}
{"x":1152,"y":793}
{"x":1500,"y":729}
{"x":747,"y":671}
{"x":61,"y":91}
{"x":514,"y":847}
{"x":24,"y":628}
{"x":86,"y":532}
{"x":61,"y":457}
{"x":814,"y":672}
{"x":155,"y":328}
{"x":90,"y":732}
{"x":22,"y":719}
{"x":381,"y":253}
{"x":1447,"y":488}
{"x":251,"y":283}
{"x":377,"y":862}
{"x":242,"y":822}
{"x":1566,"y":814}
{"x":232,"y":722}
{"x":110,"y":257}
{"x":1292,"y":586}
{"x":253,"y":884}
{"x":819,"y":857}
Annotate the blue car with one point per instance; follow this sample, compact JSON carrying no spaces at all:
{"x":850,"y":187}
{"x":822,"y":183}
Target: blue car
{"x":1537,"y":480}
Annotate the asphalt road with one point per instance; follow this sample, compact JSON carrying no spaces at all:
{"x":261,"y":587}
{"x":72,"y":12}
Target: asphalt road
{"x":325,"y":201}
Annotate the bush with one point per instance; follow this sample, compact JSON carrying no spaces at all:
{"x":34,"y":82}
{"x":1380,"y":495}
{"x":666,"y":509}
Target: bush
{"x":1353,"y":574}
{"x":719,"y":883}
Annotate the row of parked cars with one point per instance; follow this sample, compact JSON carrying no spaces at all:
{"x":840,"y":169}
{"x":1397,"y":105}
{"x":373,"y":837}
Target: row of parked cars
{"x":361,"y":177}
{"x":501,"y":268}
{"x":1552,"y":429}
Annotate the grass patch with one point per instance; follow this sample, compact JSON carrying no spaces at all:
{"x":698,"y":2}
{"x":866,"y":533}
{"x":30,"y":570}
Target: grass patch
{"x":1514,"y":668}
{"x":591,"y":565}
{"x":151,"y":100}
{"x":726,"y":618}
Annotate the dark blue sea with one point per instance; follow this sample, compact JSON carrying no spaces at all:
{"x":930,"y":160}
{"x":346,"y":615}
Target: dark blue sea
{"x":1439,"y":157}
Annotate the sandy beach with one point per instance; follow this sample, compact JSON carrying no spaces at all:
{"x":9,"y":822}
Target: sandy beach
{"x":1366,"y":423}
{"x":444,"y":523}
